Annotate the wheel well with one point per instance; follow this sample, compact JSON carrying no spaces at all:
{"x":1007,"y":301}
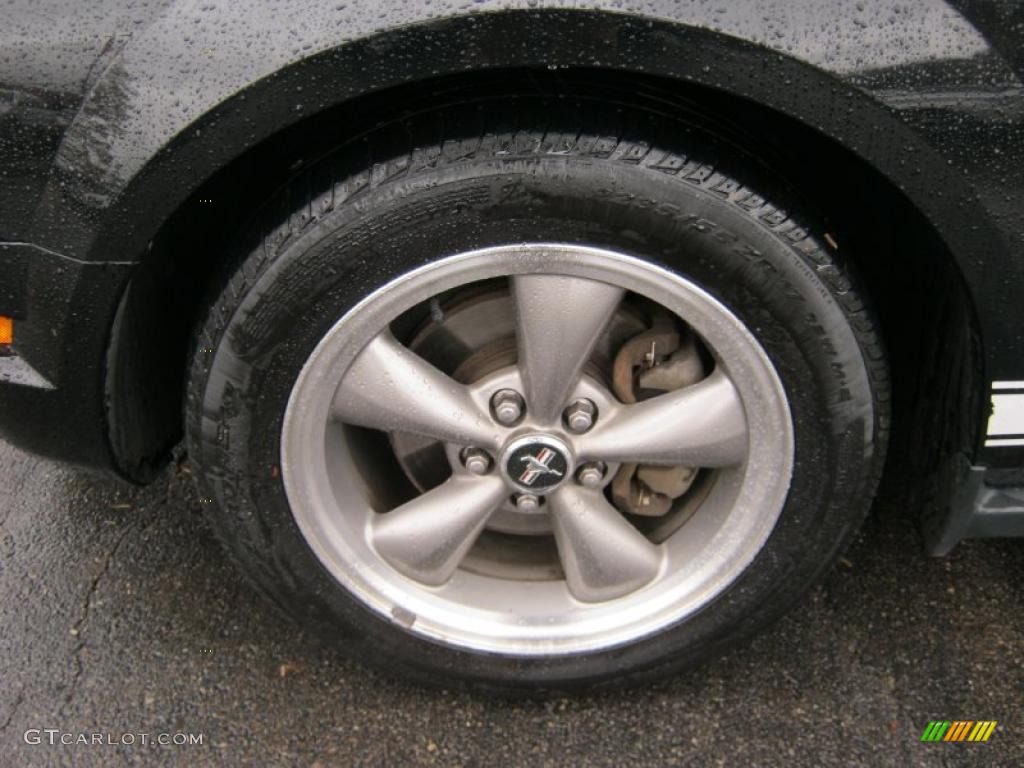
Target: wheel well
{"x":927,"y":317}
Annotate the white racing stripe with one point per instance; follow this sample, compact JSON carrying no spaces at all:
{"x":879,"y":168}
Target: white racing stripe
{"x":1006,"y":423}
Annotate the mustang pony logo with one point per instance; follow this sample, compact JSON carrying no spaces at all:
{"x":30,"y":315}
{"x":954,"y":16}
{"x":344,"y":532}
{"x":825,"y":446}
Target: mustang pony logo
{"x":538,"y":465}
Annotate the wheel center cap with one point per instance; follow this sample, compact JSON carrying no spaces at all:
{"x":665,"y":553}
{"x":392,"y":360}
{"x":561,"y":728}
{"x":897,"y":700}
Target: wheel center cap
{"x":536,"y":463}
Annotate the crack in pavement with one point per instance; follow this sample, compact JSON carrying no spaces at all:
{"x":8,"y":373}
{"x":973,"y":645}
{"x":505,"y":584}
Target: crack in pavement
{"x":14,"y":709}
{"x":76,"y":629}
{"x":94,"y":584}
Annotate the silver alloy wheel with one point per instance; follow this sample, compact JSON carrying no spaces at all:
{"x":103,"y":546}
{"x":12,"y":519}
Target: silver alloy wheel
{"x":616,"y":584}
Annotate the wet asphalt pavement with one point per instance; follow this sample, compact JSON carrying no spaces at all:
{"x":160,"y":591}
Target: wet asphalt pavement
{"x":119,"y":615}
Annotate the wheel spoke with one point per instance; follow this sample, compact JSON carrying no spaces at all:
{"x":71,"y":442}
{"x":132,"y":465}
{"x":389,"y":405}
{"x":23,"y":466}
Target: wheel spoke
{"x":426,"y":538}
{"x":702,"y":425}
{"x":603,"y":556}
{"x":391,"y":388}
{"x":558,"y":321}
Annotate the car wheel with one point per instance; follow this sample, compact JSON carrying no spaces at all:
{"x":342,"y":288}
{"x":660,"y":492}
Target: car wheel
{"x":529,"y":409}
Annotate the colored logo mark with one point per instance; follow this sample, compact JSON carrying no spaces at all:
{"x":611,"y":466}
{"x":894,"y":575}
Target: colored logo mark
{"x":538,"y":465}
{"x":958,"y":730}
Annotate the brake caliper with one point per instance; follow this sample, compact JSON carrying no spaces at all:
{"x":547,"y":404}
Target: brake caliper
{"x":658,"y":360}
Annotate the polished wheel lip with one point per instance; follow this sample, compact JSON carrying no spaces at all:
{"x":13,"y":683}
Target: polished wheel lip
{"x":544,"y":619}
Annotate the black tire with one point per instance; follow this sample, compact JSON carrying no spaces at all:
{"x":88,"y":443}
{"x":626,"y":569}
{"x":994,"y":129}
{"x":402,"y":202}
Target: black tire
{"x":660,"y":190}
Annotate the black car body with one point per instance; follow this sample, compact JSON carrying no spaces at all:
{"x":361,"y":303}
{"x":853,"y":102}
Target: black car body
{"x":134,"y":140}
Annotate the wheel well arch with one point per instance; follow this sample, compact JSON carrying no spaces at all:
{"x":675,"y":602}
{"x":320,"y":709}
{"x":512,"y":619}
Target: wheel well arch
{"x":928,"y":320}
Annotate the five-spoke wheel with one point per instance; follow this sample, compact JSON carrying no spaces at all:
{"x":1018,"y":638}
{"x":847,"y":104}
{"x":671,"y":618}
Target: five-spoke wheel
{"x":537,"y":432}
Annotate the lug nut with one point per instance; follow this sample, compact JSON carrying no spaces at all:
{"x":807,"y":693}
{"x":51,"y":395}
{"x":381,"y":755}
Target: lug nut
{"x":476,"y":461}
{"x":508,"y":406}
{"x":527,"y":503}
{"x":579,"y":416}
{"x":591,"y":475}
